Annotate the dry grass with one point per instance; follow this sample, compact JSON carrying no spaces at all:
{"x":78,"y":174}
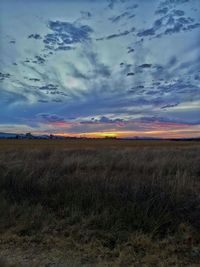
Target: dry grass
{"x":116,"y":207}
{"x":6,"y":144}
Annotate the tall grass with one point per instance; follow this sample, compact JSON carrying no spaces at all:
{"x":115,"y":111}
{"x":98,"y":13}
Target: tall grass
{"x":143,"y":189}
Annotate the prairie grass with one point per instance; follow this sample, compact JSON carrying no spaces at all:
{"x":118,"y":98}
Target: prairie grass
{"x":121,"y":206}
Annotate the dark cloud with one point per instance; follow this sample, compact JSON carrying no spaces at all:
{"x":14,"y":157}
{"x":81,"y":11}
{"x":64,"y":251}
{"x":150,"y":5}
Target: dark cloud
{"x":65,"y":34}
{"x":172,"y":62}
{"x":51,"y":92}
{"x":140,"y":86}
{"x":105,"y":119}
{"x":111,"y":3}
{"x":133,"y":6}
{"x":102,"y":120}
{"x":86,"y":14}
{"x":42,"y":101}
{"x":192,"y":26}
{"x":178,"y":13}
{"x":170,"y":22}
{"x":116,"y":35}
{"x":138,"y":90}
{"x":186,"y":89}
{"x":158,"y":24}
{"x":145,"y":66}
{"x":64,"y":48}
{"x":171,"y":3}
{"x":160,"y":119}
{"x":35,"y":36}
{"x":131,"y":16}
{"x":49,"y":87}
{"x":162,"y":11}
{"x":170,"y":106}
{"x":130,"y":50}
{"x":34,"y":79}
{"x":47,"y":117}
{"x":197,"y":77}
{"x":156,"y":83}
{"x":130,"y":74}
{"x":148,"y":32}
{"x":38,"y":60}
{"x":175,"y":29}
{"x":118,"y":18}
{"x":184,"y":20}
{"x":4,"y":76}
{"x":57,"y":100}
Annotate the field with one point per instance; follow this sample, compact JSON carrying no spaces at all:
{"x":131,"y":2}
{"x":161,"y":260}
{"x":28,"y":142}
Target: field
{"x":99,"y":203}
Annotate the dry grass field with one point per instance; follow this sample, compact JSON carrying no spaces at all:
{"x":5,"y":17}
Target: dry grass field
{"x":100,"y":203}
{"x":91,"y":143}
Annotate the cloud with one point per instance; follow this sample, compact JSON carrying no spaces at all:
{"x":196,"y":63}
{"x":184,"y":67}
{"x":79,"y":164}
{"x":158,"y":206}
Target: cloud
{"x":103,"y":120}
{"x":130,"y":50}
{"x":148,"y":32}
{"x":65,"y":34}
{"x":171,"y":21}
{"x":162,"y":11}
{"x":111,"y":3}
{"x":4,"y":76}
{"x":145,"y":66}
{"x":35,"y":36}
{"x":130,"y":74}
{"x":116,"y":35}
{"x":63,"y":48}
{"x":170,"y":106}
{"x":75,"y":72}
{"x":34,"y":79}
{"x":10,"y":97}
{"x":49,"y":87}
{"x":167,"y":121}
{"x":171,"y":3}
{"x":86,"y":14}
{"x":179,"y":13}
{"x":57,"y":100}
{"x":98,"y":68}
{"x":118,"y":18}
{"x":192,"y":26}
{"x":42,"y":101}
{"x":50,"y":118}
{"x":133,"y":6}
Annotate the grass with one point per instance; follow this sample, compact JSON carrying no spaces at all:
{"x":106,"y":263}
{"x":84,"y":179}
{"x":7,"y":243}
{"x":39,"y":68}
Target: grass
{"x":6,"y":144}
{"x":136,"y":206}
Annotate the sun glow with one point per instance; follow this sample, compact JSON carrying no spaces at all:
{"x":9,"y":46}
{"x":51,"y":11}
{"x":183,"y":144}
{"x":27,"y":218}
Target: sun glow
{"x":172,"y":133}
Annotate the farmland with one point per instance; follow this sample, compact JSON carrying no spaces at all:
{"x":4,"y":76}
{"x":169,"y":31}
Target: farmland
{"x":100,"y":202}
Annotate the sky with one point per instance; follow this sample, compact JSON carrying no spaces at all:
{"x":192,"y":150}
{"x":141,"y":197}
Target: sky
{"x":120,"y":68}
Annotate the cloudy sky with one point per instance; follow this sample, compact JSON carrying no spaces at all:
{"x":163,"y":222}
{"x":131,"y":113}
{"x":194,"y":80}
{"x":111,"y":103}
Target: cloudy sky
{"x":100,"y":68}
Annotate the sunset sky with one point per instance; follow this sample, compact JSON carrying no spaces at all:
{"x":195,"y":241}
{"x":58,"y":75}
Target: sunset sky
{"x":100,"y":68}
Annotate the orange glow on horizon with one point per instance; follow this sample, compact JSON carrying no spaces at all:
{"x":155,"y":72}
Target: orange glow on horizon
{"x":176,"y":133}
